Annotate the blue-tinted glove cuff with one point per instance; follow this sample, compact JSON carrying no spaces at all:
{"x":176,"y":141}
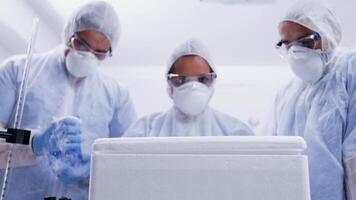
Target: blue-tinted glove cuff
{"x":37,"y":144}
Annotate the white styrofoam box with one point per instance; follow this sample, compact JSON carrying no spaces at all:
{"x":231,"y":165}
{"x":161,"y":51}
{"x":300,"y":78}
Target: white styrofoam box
{"x":200,"y":168}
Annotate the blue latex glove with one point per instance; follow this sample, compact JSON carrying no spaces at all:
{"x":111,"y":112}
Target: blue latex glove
{"x":70,"y":164}
{"x":48,"y":141}
{"x":74,"y":166}
{"x":67,"y":159}
{"x":61,"y":143}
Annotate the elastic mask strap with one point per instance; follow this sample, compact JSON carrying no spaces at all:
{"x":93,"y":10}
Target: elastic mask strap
{"x":327,"y":59}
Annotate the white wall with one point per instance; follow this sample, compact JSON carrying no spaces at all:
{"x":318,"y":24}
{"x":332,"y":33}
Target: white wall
{"x":17,"y":15}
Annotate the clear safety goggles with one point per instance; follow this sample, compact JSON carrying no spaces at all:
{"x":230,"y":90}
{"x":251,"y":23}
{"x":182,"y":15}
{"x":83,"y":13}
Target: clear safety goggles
{"x":81,"y":45}
{"x":309,"y":41}
{"x":177,"y":80}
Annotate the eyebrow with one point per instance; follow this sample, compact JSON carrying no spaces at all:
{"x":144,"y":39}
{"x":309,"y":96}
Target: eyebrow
{"x":283,"y":41}
{"x":303,"y":36}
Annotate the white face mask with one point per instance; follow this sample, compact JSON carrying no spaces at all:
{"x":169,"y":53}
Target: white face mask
{"x":306,"y":63}
{"x":192,"y":98}
{"x":80,"y":63}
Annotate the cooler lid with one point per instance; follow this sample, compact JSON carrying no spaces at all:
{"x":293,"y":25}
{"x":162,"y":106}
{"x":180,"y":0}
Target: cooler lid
{"x":276,"y":145}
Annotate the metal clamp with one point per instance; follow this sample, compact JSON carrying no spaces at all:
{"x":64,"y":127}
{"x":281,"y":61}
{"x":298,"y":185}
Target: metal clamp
{"x":16,"y":136}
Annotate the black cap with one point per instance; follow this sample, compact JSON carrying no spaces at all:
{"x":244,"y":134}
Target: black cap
{"x":50,"y":198}
{"x":64,"y":198}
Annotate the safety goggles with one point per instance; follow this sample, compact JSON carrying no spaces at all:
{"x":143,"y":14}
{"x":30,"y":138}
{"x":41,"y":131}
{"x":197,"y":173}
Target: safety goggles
{"x":177,"y":80}
{"x":81,"y":45}
{"x":309,"y":41}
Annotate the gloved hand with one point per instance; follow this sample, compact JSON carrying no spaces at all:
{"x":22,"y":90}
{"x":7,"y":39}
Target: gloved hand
{"x":68,"y":160}
{"x":70,"y":163}
{"x":62,"y":144}
{"x":49,"y":140}
{"x":73,"y":166}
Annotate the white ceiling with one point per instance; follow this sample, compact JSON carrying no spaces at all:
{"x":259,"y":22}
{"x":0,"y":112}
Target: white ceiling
{"x":235,"y":34}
